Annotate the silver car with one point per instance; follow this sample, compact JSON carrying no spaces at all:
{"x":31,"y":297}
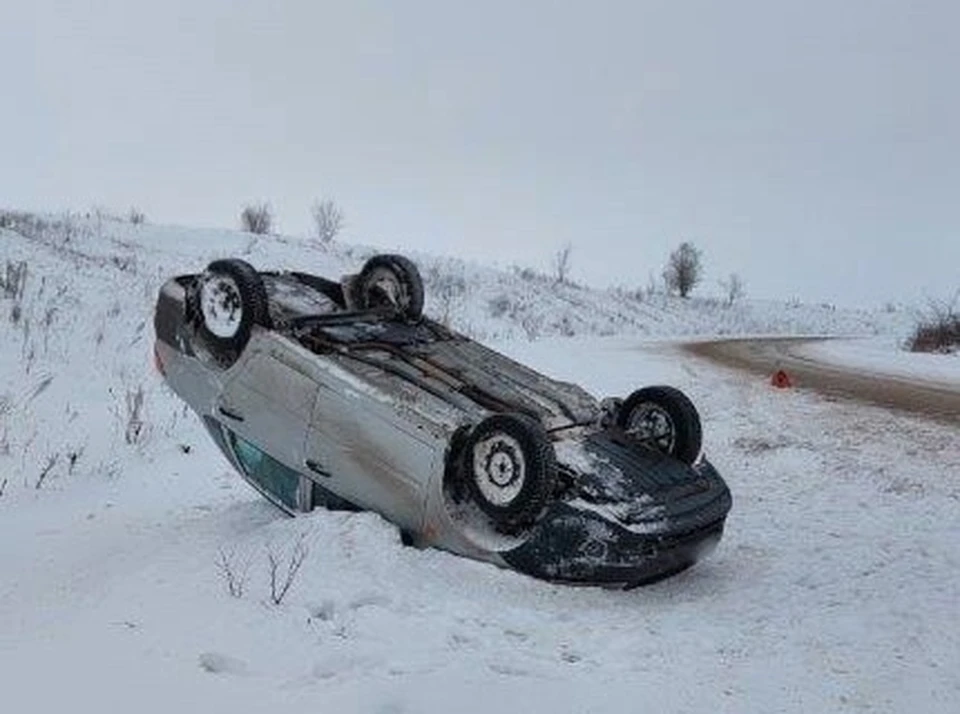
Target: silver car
{"x":340,"y":393}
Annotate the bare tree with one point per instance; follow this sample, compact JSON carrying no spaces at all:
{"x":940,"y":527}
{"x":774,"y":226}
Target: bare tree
{"x":683,"y":270}
{"x":561,"y":263}
{"x":327,"y":220}
{"x":256,"y":218}
{"x":733,"y":289}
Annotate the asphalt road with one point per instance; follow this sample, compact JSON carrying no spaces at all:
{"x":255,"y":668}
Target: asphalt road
{"x":940,"y":401}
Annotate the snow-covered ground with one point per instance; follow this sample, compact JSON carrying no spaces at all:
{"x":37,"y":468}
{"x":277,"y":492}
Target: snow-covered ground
{"x":835,"y":587}
{"x":884,"y":355}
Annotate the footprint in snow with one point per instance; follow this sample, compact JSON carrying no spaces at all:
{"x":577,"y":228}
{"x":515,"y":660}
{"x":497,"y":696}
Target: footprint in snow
{"x":324,"y":610}
{"x":217,"y":663}
{"x":369,"y":600}
{"x":517,"y":635}
{"x":508,"y":669}
{"x":341,"y":665}
{"x":458,"y":640}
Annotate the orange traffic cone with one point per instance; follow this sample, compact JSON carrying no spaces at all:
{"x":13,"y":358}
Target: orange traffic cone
{"x":781,"y":380}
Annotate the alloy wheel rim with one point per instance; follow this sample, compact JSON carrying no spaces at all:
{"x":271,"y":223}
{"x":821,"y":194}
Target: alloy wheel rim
{"x":651,"y":424}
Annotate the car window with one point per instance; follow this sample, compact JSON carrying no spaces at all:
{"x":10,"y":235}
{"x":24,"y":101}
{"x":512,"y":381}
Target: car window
{"x":267,"y":473}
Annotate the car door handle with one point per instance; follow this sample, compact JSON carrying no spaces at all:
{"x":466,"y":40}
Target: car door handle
{"x":317,"y":468}
{"x":231,"y":414}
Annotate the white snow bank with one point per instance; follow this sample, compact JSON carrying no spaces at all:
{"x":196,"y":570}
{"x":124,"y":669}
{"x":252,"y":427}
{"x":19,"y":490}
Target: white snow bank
{"x":885,"y":355}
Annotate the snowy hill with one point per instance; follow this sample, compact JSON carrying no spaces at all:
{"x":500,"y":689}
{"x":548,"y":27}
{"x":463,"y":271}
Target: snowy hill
{"x":76,"y":347}
{"x":834,"y":589}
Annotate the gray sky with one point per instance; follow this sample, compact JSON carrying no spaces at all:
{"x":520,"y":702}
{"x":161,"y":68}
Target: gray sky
{"x":813,"y":147}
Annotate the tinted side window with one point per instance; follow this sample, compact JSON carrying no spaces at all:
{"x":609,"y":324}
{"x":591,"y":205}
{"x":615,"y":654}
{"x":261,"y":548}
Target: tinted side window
{"x":270,"y":475}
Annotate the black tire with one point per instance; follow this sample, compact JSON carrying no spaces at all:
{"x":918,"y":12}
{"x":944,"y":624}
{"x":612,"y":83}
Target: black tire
{"x":391,"y":280}
{"x":510,"y":469}
{"x":664,"y":419}
{"x":230,"y":298}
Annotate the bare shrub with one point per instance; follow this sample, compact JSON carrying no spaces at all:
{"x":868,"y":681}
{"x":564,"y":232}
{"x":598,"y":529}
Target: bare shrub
{"x":132,"y":417}
{"x":51,"y":462}
{"x":13,"y":283}
{"x":8,"y":219}
{"x":561,"y":263}
{"x":532,"y":324}
{"x":233,"y":571}
{"x":57,"y":232}
{"x":256,"y":218}
{"x":28,"y":350}
{"x":684,"y":269}
{"x":733,"y":289}
{"x":136,"y":217}
{"x":530,"y":275}
{"x":28,"y":224}
{"x":626,"y":294}
{"x":446,"y":288}
{"x":72,"y":457}
{"x":125,"y":263}
{"x":280,"y":583}
{"x":500,"y":305}
{"x":14,"y":280}
{"x":327,"y":220}
{"x":24,"y":223}
{"x":565,"y":327}
{"x":938,"y":329}
{"x":68,"y":227}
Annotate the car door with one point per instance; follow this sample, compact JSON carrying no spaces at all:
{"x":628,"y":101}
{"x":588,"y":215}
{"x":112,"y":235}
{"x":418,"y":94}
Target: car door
{"x":362,"y":446}
{"x":265,"y":407}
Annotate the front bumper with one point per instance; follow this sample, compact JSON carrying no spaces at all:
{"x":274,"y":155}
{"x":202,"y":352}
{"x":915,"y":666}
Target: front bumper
{"x":574,"y":545}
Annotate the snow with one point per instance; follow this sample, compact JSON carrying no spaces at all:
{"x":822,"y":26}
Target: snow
{"x":835,"y":587}
{"x":573,"y":453}
{"x":884,"y":356}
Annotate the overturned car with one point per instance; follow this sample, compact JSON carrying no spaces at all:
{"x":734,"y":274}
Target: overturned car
{"x":343,"y":394}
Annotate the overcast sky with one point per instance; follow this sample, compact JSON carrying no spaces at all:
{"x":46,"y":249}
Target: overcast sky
{"x":813,"y":147}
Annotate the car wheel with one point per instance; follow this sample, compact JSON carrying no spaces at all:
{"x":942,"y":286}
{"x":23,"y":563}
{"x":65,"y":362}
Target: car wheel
{"x":394,"y":281}
{"x":663,"y":419}
{"x":230,"y":299}
{"x":510,"y":469}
